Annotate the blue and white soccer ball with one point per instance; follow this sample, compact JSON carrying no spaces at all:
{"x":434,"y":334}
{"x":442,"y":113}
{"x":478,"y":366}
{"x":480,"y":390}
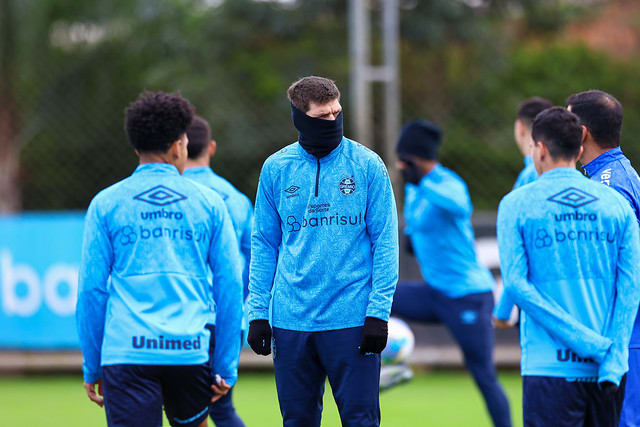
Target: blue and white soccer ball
{"x":399,"y":344}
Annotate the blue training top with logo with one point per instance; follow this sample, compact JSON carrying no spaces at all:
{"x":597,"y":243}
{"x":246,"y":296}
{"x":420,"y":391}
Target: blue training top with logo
{"x":238,"y":205}
{"x":325,"y":239}
{"x":438,"y":216}
{"x":568,"y":253}
{"x":504,"y":307}
{"x":150,"y":243}
{"x":613,"y":169}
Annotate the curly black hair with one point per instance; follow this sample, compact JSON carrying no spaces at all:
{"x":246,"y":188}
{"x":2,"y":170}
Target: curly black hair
{"x":156,"y":119}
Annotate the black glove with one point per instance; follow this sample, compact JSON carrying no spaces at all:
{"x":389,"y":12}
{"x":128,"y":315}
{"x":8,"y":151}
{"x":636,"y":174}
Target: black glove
{"x":608,"y":388}
{"x":259,"y":337}
{"x":374,"y":335}
{"x":411,"y":173}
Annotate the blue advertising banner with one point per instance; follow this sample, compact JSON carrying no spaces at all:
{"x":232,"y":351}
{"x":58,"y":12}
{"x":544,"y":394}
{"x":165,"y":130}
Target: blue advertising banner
{"x":39,"y":260}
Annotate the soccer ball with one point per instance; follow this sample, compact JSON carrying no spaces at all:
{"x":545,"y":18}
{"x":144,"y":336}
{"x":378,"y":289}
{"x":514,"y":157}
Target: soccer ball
{"x":399,"y":344}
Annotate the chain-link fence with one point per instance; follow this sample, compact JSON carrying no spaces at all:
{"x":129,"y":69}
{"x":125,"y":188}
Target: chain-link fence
{"x":72,"y":69}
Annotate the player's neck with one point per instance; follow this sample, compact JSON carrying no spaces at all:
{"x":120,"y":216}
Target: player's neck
{"x":198,"y":163}
{"x":559,"y":164}
{"x":591,"y":152}
{"x":157,"y":158}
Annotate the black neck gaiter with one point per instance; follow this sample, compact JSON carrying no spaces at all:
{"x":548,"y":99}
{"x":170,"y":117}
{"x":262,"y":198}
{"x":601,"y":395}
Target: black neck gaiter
{"x":318,"y":137}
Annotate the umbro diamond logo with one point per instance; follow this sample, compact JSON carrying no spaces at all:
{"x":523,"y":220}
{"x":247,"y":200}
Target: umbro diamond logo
{"x":160,"y":196}
{"x":573,"y":198}
{"x":292,"y":189}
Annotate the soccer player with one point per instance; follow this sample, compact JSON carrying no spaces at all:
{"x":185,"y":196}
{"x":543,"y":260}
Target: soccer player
{"x":457,"y":290}
{"x":601,"y":115}
{"x":145,"y":296}
{"x":324,"y":255}
{"x":527,"y":112}
{"x":201,"y":149}
{"x":569,"y":251}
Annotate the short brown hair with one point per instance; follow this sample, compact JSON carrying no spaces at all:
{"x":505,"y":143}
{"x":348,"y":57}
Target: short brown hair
{"x":312,"y":89}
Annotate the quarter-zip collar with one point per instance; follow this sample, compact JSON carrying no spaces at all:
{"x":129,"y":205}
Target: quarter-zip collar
{"x":563,"y":172}
{"x":156,"y":168}
{"x":335,"y":152}
{"x":603,"y":159}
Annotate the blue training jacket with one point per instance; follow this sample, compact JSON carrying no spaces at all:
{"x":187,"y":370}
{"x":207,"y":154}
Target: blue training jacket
{"x":614,"y":170}
{"x":239,"y":207}
{"x":437,"y":213}
{"x":151,"y":242}
{"x":569,"y":250}
{"x":325,"y":239}
{"x":504,"y":307}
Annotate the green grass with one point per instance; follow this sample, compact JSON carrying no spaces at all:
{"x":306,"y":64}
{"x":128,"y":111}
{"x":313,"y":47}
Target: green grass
{"x":438,"y":398}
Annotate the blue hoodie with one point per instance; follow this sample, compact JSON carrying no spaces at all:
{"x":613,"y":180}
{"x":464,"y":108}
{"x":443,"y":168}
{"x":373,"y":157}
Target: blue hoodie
{"x":613,"y":169}
{"x":325,"y":239}
{"x":150,"y":243}
{"x":438,"y":216}
{"x":569,"y":251}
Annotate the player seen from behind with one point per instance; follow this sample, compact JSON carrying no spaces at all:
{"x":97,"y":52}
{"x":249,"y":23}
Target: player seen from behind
{"x":151,"y":243}
{"x":527,"y":112}
{"x":569,"y":253}
{"x":201,"y":149}
{"x":325,"y":257}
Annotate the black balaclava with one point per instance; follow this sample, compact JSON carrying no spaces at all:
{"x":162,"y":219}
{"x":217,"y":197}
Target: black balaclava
{"x":318,"y":137}
{"x":418,"y":138}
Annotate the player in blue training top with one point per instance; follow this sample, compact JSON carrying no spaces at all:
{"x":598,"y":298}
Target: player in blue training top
{"x":201,"y":149}
{"x":324,"y":256}
{"x":603,"y":160}
{"x":527,"y":112}
{"x":457,"y":288}
{"x":152,"y":244}
{"x":569,"y":251}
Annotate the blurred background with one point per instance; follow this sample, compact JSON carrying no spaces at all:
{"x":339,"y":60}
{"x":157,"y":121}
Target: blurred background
{"x":69,"y":68}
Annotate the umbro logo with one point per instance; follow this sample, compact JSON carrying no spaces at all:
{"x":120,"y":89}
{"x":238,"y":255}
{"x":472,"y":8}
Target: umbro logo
{"x":292,"y":189}
{"x":160,"y":196}
{"x":573,"y":198}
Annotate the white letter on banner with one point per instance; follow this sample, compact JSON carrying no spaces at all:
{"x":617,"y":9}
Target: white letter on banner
{"x":62,"y":306}
{"x":11,"y":276}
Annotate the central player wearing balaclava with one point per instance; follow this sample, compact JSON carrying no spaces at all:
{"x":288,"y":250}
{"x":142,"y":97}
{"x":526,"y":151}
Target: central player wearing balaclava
{"x":325,"y":258}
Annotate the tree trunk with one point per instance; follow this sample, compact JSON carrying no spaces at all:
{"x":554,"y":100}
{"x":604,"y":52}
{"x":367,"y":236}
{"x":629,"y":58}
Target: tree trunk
{"x":9,"y":151}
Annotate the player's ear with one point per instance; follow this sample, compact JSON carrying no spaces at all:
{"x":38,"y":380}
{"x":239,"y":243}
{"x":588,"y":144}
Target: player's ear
{"x":585,"y":132}
{"x":581,"y":151}
{"x":212,"y":148}
{"x":174,"y":149}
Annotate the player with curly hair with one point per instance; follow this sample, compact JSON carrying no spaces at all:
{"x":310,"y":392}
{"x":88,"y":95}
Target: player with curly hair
{"x":151,"y":242}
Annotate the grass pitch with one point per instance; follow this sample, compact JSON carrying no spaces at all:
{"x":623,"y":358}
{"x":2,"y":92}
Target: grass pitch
{"x":438,"y":398}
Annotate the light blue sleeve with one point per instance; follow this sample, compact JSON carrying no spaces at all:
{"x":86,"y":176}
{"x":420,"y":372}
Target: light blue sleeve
{"x":224,"y":260}
{"x":504,"y":307}
{"x":446,"y":193}
{"x":245,"y":242}
{"x":95,"y":268}
{"x":515,"y":272}
{"x":382,"y":225}
{"x":615,"y":363}
{"x":265,"y":243}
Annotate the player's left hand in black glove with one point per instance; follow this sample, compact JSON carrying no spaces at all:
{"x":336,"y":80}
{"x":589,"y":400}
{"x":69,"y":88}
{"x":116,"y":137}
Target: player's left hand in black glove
{"x":259,"y":337}
{"x":374,"y":335}
{"x":608,"y":388}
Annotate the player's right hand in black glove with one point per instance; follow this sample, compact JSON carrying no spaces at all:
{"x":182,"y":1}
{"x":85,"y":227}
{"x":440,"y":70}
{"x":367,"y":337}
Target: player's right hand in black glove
{"x":259,"y":337}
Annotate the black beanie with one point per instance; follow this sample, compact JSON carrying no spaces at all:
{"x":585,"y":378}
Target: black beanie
{"x":419,"y":138}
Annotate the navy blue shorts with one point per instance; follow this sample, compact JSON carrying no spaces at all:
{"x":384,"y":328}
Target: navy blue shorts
{"x":135,"y":394}
{"x":554,"y":401}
